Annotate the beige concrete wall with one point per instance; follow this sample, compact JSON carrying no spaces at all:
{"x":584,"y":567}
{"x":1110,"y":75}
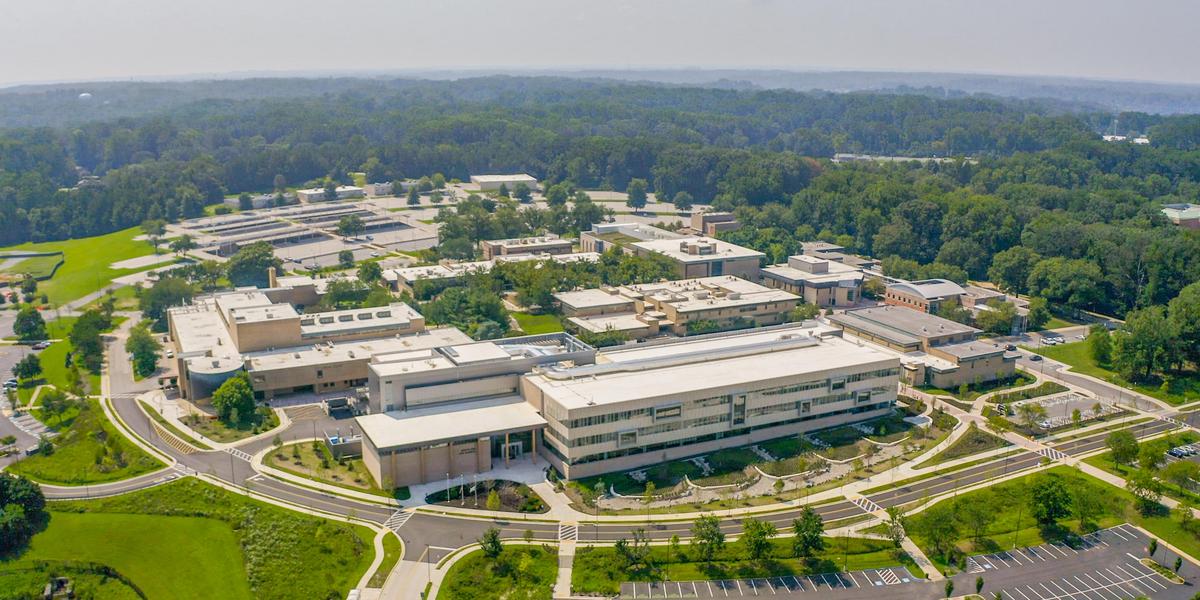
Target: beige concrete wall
{"x":261,"y":335}
{"x":323,"y":378}
{"x":975,"y":371}
{"x":429,"y":464}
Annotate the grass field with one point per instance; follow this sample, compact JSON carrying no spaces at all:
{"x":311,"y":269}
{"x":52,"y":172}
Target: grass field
{"x":510,"y":575}
{"x":535,"y":324}
{"x":86,"y":263}
{"x":38,"y":266}
{"x":83,"y":456}
{"x":600,"y":570}
{"x":167,"y":557}
{"x":1185,"y":386}
{"x":280,"y":553}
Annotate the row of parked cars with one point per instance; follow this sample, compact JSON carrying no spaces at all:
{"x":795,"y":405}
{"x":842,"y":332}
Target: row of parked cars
{"x":1184,"y":451}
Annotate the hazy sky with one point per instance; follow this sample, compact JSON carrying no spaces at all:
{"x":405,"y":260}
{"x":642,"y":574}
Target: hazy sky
{"x":56,"y":40}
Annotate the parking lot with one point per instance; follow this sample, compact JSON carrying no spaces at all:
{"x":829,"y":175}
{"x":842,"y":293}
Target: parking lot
{"x":771,"y":586}
{"x":1104,"y":565}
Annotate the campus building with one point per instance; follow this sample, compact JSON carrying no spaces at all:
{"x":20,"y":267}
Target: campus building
{"x":926,"y":295}
{"x":455,"y":409}
{"x":676,"y":307}
{"x":712,"y":223}
{"x":284,"y":351}
{"x":344,"y":192}
{"x":606,"y":236}
{"x":934,"y":351}
{"x":545,"y":244}
{"x":658,"y":402}
{"x":491,"y":183}
{"x":823,"y":282}
{"x":1183,"y":215}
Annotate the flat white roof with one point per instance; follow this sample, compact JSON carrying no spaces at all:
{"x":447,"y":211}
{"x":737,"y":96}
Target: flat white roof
{"x":602,"y":323}
{"x":721,"y":249}
{"x":329,"y":353}
{"x":447,"y":422}
{"x":592,"y":298}
{"x":503,"y":178}
{"x":698,"y":366}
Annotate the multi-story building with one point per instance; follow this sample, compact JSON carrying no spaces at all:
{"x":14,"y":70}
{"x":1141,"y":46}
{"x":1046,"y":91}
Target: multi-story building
{"x":819,"y":281}
{"x":544,"y":244}
{"x":453,"y":409}
{"x":606,"y":236}
{"x":676,"y":307}
{"x":658,"y":402}
{"x":704,"y":257}
{"x":284,"y":351}
{"x":935,"y":351}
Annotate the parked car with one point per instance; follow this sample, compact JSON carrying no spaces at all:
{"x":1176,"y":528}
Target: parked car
{"x":41,"y":345}
{"x":170,"y":354}
{"x":1035,"y":357}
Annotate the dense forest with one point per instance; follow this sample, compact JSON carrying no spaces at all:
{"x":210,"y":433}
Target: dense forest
{"x":1042,"y":206}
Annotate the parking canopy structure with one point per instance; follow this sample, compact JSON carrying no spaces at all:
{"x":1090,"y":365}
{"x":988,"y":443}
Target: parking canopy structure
{"x":426,"y":444}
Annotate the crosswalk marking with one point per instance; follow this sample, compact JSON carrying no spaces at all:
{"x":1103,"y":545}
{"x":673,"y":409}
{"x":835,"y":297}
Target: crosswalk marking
{"x":239,"y":454}
{"x":1052,"y":454}
{"x":397,"y":520}
{"x":889,"y":577}
{"x":568,"y":532}
{"x":866,"y":504}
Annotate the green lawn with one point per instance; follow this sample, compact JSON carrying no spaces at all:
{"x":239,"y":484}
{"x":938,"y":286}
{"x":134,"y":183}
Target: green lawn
{"x":167,"y":557}
{"x":526,"y":572}
{"x":86,"y":263}
{"x":600,"y":570}
{"x":1010,"y":500}
{"x":1185,"y":386}
{"x":535,"y":324}
{"x":38,"y":266}
{"x":974,"y":441}
{"x":281,"y":554}
{"x":89,"y":450}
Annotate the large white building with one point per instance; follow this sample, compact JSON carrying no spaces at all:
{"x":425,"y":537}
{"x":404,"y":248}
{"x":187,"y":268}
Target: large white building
{"x":660,"y":402}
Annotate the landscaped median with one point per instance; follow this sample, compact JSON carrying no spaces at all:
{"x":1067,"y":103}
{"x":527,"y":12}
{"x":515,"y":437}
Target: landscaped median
{"x":602,"y":569}
{"x":518,"y":571}
{"x":312,"y":460}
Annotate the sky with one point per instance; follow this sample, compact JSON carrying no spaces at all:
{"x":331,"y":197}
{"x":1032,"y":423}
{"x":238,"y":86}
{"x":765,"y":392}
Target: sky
{"x":79,"y":40}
